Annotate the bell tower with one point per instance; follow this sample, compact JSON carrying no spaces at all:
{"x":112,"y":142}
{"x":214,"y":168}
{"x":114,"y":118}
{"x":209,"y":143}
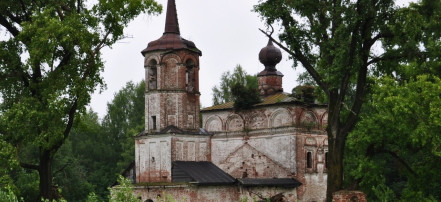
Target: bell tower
{"x":172,"y":79}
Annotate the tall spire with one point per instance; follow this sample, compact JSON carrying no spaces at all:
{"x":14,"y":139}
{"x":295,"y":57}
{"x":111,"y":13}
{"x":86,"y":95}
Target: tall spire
{"x":171,"y":39}
{"x":171,"y":19}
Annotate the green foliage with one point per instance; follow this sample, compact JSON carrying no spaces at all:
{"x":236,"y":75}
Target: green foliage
{"x":342,"y":43}
{"x":244,"y":97}
{"x":8,"y":195}
{"x":123,"y":191}
{"x":383,"y":193}
{"x":125,"y":119}
{"x":8,"y":163}
{"x":70,"y":175}
{"x":304,"y":93}
{"x":95,"y":153}
{"x":89,"y":157}
{"x":92,"y":197}
{"x":50,"y":63}
{"x":92,"y":156}
{"x":397,"y":142}
{"x":223,"y":93}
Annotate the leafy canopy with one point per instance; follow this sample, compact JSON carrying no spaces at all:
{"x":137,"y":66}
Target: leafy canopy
{"x":223,"y":93}
{"x":397,"y":143}
{"x":50,"y":63}
{"x":342,"y":43}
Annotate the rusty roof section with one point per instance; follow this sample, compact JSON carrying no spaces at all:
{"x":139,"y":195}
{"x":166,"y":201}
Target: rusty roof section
{"x":171,"y":39}
{"x":171,"y":19}
{"x":228,"y":105}
{"x":272,"y":99}
{"x":276,"y":98}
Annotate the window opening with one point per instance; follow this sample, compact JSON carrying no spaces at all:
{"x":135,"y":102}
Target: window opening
{"x":309,"y":160}
{"x":189,"y":75}
{"x":154,"y":122}
{"x":152,"y":75}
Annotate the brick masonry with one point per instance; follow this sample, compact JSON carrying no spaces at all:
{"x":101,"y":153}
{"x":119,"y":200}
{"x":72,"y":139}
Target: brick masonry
{"x":278,"y":140}
{"x":349,"y":196}
{"x":172,"y":90}
{"x":272,"y":142}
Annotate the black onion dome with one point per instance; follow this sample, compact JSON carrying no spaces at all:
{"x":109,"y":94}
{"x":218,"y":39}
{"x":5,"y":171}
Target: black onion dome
{"x":270,"y":56}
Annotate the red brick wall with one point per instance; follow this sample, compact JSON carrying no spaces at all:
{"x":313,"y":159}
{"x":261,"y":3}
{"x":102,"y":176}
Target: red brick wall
{"x":270,"y":84}
{"x":175,"y":102}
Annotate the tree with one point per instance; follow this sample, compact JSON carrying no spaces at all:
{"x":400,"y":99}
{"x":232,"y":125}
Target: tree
{"x":340,"y":43}
{"x":95,"y":152}
{"x":223,"y":94}
{"x":49,"y":66}
{"x":125,"y":118}
{"x":397,"y":141}
{"x":86,"y":162}
{"x":244,"y":97}
{"x":123,"y":191}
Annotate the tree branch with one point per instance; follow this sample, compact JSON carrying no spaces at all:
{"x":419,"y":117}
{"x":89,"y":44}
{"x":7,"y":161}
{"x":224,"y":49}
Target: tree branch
{"x":402,"y":162}
{"x":62,"y":168}
{"x":13,"y":30}
{"x":384,"y":58}
{"x":26,"y":13}
{"x":378,"y":37}
{"x":101,"y":44}
{"x":345,"y":82}
{"x":29,"y":166}
{"x":13,"y":18}
{"x":64,"y":61}
{"x":360,"y":93}
{"x":69,"y":125}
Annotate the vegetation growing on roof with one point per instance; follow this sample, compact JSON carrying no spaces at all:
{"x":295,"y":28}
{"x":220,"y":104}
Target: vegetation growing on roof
{"x":223,"y":93}
{"x":304,"y":93}
{"x":244,"y":97}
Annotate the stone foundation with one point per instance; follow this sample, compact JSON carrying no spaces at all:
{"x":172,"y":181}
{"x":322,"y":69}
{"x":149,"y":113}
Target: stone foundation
{"x":349,"y":196}
{"x":190,"y":193}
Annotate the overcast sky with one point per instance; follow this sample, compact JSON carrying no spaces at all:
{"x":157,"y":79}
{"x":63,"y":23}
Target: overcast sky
{"x":226,"y":31}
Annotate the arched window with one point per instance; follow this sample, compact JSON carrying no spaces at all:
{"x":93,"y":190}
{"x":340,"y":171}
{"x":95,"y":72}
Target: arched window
{"x":152,"y":75}
{"x":309,"y":159}
{"x":189,"y":75}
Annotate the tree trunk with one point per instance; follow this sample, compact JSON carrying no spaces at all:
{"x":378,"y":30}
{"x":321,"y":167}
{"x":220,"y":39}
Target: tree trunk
{"x":45,"y":171}
{"x":335,"y":163}
{"x":336,"y":145}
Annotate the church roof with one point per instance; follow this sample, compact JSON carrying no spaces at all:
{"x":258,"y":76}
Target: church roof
{"x":200,"y":173}
{"x":171,"y":39}
{"x":270,"y":100}
{"x":270,"y":182}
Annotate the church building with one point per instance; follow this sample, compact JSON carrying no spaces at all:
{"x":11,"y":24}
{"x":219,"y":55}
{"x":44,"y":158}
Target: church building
{"x":276,"y":150}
